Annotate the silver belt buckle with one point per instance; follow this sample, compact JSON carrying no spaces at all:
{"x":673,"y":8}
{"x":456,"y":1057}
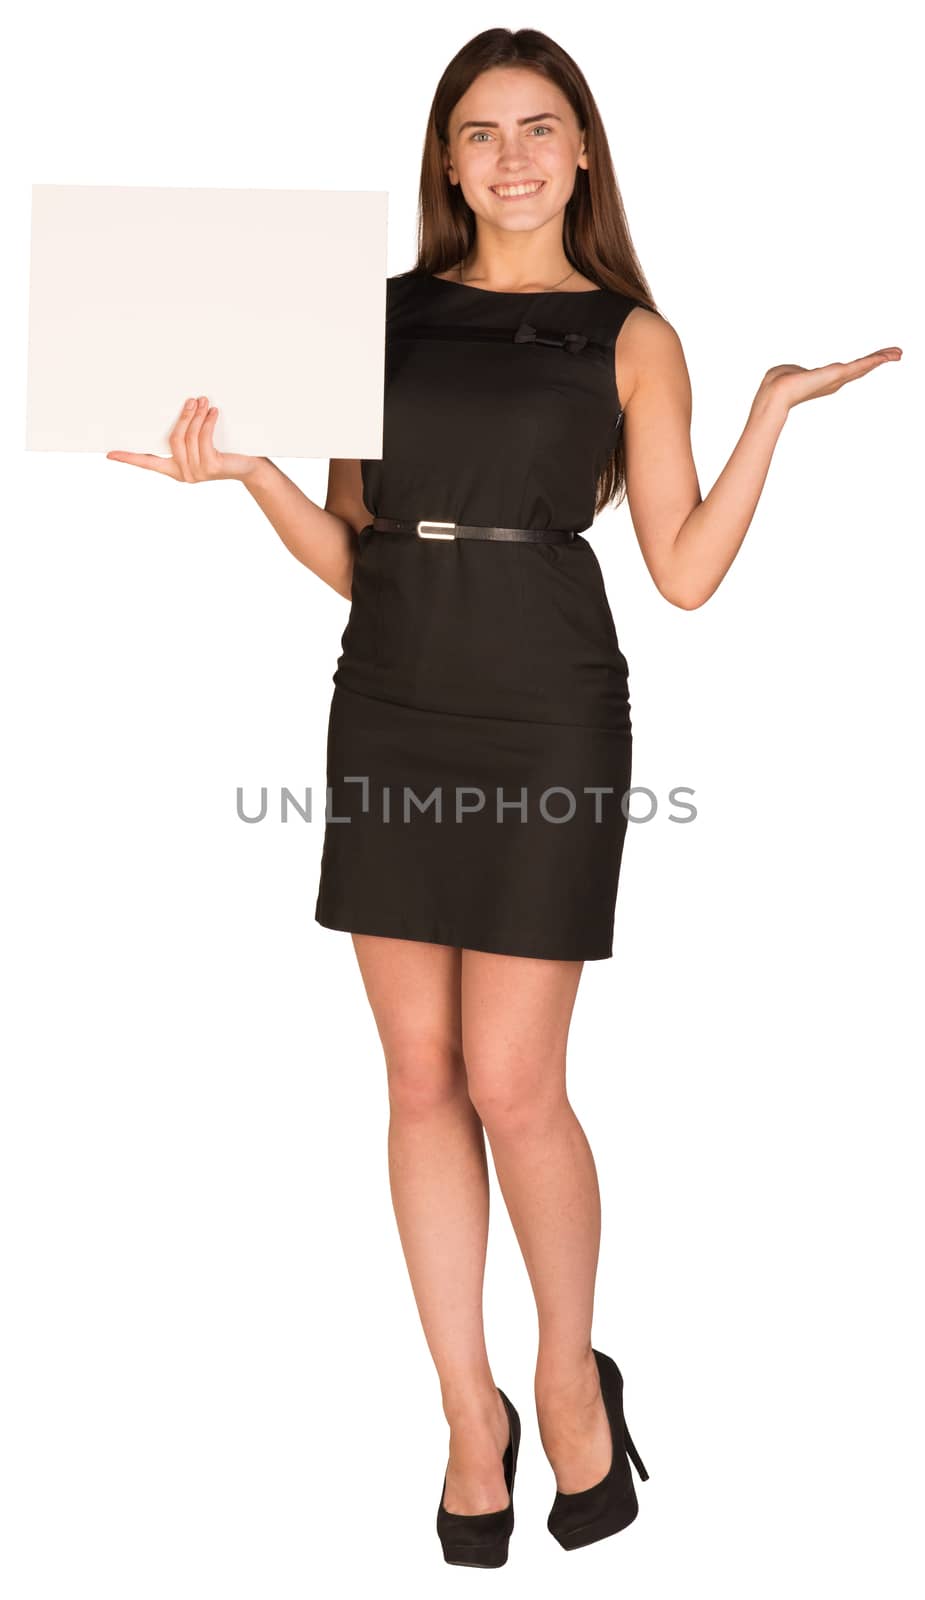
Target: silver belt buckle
{"x":425,"y":524}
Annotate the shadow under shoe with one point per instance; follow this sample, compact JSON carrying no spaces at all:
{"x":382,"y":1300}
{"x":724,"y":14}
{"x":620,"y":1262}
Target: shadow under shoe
{"x":481,"y":1540}
{"x":610,"y":1505}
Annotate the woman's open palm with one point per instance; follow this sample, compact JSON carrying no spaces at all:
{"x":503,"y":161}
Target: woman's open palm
{"x":194,"y":458}
{"x":795,"y":384}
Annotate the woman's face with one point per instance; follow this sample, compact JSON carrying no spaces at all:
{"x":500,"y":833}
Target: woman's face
{"x":527,"y":134}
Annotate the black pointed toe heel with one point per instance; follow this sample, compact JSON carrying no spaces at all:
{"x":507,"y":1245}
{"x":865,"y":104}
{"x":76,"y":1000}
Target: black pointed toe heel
{"x":481,"y":1540}
{"x":609,"y":1506}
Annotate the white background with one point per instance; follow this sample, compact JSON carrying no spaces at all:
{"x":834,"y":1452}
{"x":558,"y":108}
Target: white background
{"x":214,"y":1382}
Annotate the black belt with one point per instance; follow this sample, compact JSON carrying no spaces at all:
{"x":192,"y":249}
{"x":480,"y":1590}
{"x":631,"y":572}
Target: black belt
{"x":468,"y":530}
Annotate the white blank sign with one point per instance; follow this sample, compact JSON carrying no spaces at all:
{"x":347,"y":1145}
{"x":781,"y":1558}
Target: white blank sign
{"x":269,"y":301}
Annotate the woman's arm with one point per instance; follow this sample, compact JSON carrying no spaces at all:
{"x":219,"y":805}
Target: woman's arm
{"x":324,"y":540}
{"x":688,"y":542}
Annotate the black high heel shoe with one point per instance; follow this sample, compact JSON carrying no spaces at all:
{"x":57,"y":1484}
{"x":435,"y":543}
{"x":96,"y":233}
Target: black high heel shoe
{"x":607,"y":1507}
{"x":481,"y":1540}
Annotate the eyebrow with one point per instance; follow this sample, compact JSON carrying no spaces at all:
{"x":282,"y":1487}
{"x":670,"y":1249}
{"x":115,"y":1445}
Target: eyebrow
{"x":543,"y":116}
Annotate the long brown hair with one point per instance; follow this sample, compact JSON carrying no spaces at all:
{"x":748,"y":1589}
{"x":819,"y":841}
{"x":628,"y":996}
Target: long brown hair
{"x":595,"y":233}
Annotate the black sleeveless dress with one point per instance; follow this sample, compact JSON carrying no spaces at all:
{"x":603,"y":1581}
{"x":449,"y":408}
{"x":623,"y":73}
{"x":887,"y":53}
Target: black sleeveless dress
{"x":479,"y":739}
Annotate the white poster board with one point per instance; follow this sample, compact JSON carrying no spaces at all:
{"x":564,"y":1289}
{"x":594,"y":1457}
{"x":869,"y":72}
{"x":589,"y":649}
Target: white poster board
{"x":269,"y":301}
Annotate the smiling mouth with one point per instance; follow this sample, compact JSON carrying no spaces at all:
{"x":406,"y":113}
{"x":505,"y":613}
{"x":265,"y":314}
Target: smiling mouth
{"x":522,"y":192}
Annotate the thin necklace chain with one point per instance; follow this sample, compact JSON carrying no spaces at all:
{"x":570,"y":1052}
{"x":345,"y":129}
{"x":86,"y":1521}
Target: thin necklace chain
{"x":542,"y":291}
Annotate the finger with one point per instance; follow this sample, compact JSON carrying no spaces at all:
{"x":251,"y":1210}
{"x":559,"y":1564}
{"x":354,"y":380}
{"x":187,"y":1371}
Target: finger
{"x":857,"y":369}
{"x":165,"y":464}
{"x":192,"y":437}
{"x":185,"y":412}
{"x":177,"y":438}
{"x":830,"y":378}
{"x":208,"y":454}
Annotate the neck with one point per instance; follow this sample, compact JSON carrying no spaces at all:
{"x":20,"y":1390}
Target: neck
{"x":549,"y":277}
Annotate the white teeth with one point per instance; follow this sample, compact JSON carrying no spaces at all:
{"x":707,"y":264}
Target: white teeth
{"x":516,"y":188}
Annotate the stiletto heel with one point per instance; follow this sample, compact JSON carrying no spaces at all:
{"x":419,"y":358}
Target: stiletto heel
{"x":610,"y":1505}
{"x":634,"y":1453}
{"x":481,"y":1540}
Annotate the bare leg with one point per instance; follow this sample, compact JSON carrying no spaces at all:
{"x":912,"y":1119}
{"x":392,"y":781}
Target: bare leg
{"x":516,"y":1013}
{"x":438,"y":1176}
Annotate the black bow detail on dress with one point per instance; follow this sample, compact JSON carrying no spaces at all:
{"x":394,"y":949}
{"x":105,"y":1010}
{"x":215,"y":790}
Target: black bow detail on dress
{"x":526,"y":334}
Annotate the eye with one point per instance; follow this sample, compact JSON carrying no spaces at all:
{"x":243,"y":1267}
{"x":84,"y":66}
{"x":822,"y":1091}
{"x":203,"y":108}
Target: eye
{"x":539,"y":127}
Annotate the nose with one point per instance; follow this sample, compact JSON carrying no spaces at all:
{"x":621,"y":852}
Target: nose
{"x":510,"y":168}
{"x":511,"y":157}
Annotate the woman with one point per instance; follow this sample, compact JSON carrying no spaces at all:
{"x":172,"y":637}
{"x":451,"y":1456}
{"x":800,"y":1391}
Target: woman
{"x":529,"y":379}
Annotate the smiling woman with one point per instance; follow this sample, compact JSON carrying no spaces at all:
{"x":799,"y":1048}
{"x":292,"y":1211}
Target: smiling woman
{"x":480,"y":748}
{"x":480,"y":742}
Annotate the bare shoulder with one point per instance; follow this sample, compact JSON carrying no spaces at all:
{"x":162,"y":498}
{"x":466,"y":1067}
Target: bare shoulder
{"x":649,"y":355}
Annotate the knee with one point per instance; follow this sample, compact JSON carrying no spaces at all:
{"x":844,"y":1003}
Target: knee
{"x":425,"y":1072}
{"x":513,"y":1099}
